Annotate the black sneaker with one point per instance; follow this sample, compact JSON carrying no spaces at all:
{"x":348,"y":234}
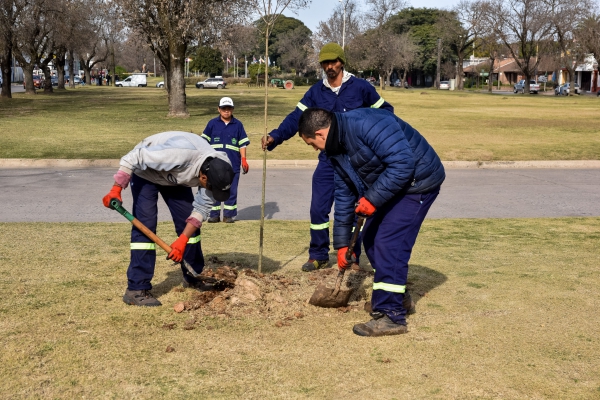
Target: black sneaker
{"x":313,"y":265}
{"x":140,"y":298}
{"x":229,"y":220}
{"x":212,"y":220}
{"x":380,"y":325}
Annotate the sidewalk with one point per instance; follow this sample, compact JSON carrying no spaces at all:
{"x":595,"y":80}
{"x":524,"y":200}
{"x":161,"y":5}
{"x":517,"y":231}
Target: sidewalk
{"x":257,"y":164}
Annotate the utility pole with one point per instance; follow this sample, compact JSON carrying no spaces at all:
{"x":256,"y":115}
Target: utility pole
{"x":439,"y":59}
{"x":344,"y":24}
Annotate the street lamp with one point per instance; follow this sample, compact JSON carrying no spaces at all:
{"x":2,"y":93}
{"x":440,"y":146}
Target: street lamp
{"x":344,"y":24}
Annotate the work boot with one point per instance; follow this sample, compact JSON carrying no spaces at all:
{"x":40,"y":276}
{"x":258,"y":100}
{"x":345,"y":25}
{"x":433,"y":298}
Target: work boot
{"x":313,"y":265}
{"x":229,"y":220}
{"x":212,"y":220}
{"x":380,"y":325}
{"x":203,"y":286}
{"x":140,"y":298}
{"x":407,"y":303}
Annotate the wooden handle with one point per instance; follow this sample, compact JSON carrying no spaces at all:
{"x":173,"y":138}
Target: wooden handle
{"x":151,"y":235}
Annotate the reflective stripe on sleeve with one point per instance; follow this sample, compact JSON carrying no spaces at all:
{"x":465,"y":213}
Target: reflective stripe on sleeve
{"x":389,"y":287}
{"x":301,"y":106}
{"x":206,"y":137}
{"x":379,"y":103}
{"x":230,"y":207}
{"x":216,"y":208}
{"x":194,"y":239}
{"x":142,"y":246}
{"x":245,"y":140}
{"x":216,"y":146}
{"x":319,"y":226}
{"x":230,"y":147}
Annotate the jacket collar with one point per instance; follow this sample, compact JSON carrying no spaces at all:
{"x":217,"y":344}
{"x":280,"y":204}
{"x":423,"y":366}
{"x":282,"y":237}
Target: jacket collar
{"x":333,"y":146}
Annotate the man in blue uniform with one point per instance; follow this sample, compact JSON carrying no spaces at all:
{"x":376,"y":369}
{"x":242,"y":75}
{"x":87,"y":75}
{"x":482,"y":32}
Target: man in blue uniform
{"x":339,"y":92}
{"x":395,"y":175}
{"x":226,"y":133}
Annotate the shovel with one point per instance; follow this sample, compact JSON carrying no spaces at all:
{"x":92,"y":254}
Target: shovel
{"x":333,"y":298}
{"x":115,"y":204}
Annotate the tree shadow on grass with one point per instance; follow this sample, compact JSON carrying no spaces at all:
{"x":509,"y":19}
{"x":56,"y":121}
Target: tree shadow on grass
{"x":238,"y":260}
{"x":253,"y":212}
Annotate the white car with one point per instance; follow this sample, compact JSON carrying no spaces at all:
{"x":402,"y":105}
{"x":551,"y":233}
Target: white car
{"x":564,"y":89}
{"x":444,"y":85}
{"x":134,"y":80}
{"x":160,"y":84}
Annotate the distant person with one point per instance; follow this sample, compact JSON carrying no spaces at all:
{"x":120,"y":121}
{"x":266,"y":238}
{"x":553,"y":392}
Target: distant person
{"x":169,"y":164}
{"x":384,"y":170}
{"x":340,"y":91}
{"x":226,"y":133}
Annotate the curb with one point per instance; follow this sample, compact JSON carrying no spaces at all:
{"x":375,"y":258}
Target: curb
{"x":257,"y":164}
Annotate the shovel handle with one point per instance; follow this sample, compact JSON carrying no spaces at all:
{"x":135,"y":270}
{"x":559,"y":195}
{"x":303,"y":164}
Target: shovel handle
{"x":359,"y":223}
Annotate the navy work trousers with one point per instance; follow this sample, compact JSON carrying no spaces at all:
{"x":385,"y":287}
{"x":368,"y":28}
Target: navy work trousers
{"x":323,"y":189}
{"x":389,"y":237}
{"x":231,"y":203}
{"x":145,"y":208}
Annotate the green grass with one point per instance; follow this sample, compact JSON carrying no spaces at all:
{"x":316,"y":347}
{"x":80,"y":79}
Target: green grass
{"x":505,"y":309}
{"x":106,"y":122}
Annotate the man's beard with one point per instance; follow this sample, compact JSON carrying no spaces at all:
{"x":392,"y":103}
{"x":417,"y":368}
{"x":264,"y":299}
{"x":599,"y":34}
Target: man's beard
{"x":331,"y":74}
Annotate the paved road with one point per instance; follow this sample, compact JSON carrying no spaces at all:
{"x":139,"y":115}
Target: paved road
{"x":74,"y":195}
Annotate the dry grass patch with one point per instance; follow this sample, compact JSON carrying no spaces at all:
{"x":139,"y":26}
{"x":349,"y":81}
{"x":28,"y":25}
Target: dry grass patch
{"x":105,"y":122}
{"x":505,"y":309}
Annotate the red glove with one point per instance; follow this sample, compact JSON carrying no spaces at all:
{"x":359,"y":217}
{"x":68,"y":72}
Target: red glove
{"x":364,"y":207}
{"x":115,"y":193}
{"x":177,"y":248}
{"x":343,"y":262}
{"x":245,"y":165}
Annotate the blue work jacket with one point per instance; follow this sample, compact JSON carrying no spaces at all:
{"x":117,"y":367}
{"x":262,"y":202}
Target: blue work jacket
{"x":354,"y":93}
{"x":228,"y":138}
{"x":379,"y":156}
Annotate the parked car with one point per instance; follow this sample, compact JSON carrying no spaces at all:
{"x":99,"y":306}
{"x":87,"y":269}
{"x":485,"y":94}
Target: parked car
{"x":211,"y":83}
{"x":444,"y":85}
{"x":564,"y":89}
{"x":160,"y":84}
{"x":77,"y":80}
{"x":134,"y":80}
{"x":54,"y":81}
{"x":38,"y":82}
{"x":534,"y":88}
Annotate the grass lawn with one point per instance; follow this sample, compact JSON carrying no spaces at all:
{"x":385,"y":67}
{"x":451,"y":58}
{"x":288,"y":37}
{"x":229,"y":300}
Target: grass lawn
{"x":505,"y":309}
{"x":105,"y":122}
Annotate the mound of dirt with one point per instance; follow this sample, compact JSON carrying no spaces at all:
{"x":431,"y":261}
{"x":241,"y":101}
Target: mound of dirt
{"x":269,"y":296}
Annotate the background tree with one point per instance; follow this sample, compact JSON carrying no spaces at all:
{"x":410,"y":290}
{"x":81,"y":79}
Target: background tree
{"x":523,"y":27}
{"x":293,"y":46}
{"x":331,"y":30}
{"x":459,"y":29}
{"x":208,"y":60}
{"x":588,"y":34}
{"x":566,"y":16}
{"x":10,"y":10}
{"x":169,"y":27}
{"x":282,"y":27}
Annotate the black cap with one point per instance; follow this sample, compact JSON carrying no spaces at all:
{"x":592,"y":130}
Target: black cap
{"x":220,"y":175}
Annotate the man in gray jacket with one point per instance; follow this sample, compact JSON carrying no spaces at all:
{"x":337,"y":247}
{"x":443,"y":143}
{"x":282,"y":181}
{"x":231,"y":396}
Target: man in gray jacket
{"x":169,"y":163}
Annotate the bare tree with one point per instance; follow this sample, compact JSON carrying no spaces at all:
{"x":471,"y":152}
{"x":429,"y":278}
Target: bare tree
{"x":170,"y":26}
{"x":332,"y":30}
{"x":588,"y":34}
{"x":459,"y":29}
{"x":379,"y":11}
{"x":10,"y":11}
{"x":566,"y":16}
{"x":523,"y":27}
{"x":293,"y":47}
{"x":408,"y":54}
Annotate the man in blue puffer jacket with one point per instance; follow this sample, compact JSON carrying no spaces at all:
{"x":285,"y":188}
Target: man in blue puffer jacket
{"x":340,"y":91}
{"x":395,"y":175}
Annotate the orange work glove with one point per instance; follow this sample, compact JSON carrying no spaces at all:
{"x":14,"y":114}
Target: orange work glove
{"x":115,"y":193}
{"x":245,"y":165}
{"x":177,"y":248}
{"x":343,"y":262}
{"x":364,"y":207}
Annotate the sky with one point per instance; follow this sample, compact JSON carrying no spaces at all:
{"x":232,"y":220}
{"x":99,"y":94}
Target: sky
{"x":320,"y":10}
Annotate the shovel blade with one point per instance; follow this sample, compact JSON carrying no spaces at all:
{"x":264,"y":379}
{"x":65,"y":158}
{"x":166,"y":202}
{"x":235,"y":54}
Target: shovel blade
{"x":324,"y":297}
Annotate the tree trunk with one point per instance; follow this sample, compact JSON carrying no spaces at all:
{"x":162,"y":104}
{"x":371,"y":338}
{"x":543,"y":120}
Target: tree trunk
{"x":71,"y":71}
{"x":177,"y":103}
{"x":47,"y":79}
{"x":490,"y":79}
{"x":60,"y":69}
{"x":459,"y":73}
{"x":5,"y":93}
{"x":381,"y":80}
{"x":87,"y":70}
{"x":571,"y":80}
{"x":403,"y":83}
{"x":28,"y":78}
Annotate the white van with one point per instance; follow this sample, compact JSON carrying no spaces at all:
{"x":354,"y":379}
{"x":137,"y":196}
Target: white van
{"x":135,"y":80}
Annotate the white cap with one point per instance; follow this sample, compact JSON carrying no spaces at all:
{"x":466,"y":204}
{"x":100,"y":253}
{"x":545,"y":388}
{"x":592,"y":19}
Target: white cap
{"x":226,"y":101}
